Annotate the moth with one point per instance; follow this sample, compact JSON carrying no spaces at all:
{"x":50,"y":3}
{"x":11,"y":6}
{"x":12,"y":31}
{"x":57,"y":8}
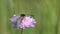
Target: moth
{"x":16,"y":20}
{"x":22,"y":21}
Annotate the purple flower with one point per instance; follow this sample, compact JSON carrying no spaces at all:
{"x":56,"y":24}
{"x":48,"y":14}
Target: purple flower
{"x":27,"y":22}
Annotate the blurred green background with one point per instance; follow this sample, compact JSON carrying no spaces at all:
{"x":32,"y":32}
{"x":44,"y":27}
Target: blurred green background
{"x":46,"y":13}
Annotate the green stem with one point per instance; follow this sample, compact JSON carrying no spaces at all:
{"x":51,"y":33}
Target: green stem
{"x":57,"y":27}
{"x":21,"y":31}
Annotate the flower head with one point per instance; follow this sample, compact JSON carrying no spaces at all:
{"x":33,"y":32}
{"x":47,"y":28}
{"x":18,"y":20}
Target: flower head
{"x":27,"y":22}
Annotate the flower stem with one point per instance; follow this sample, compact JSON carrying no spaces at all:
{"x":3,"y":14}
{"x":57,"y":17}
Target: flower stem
{"x":21,"y":31}
{"x":57,"y":27}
